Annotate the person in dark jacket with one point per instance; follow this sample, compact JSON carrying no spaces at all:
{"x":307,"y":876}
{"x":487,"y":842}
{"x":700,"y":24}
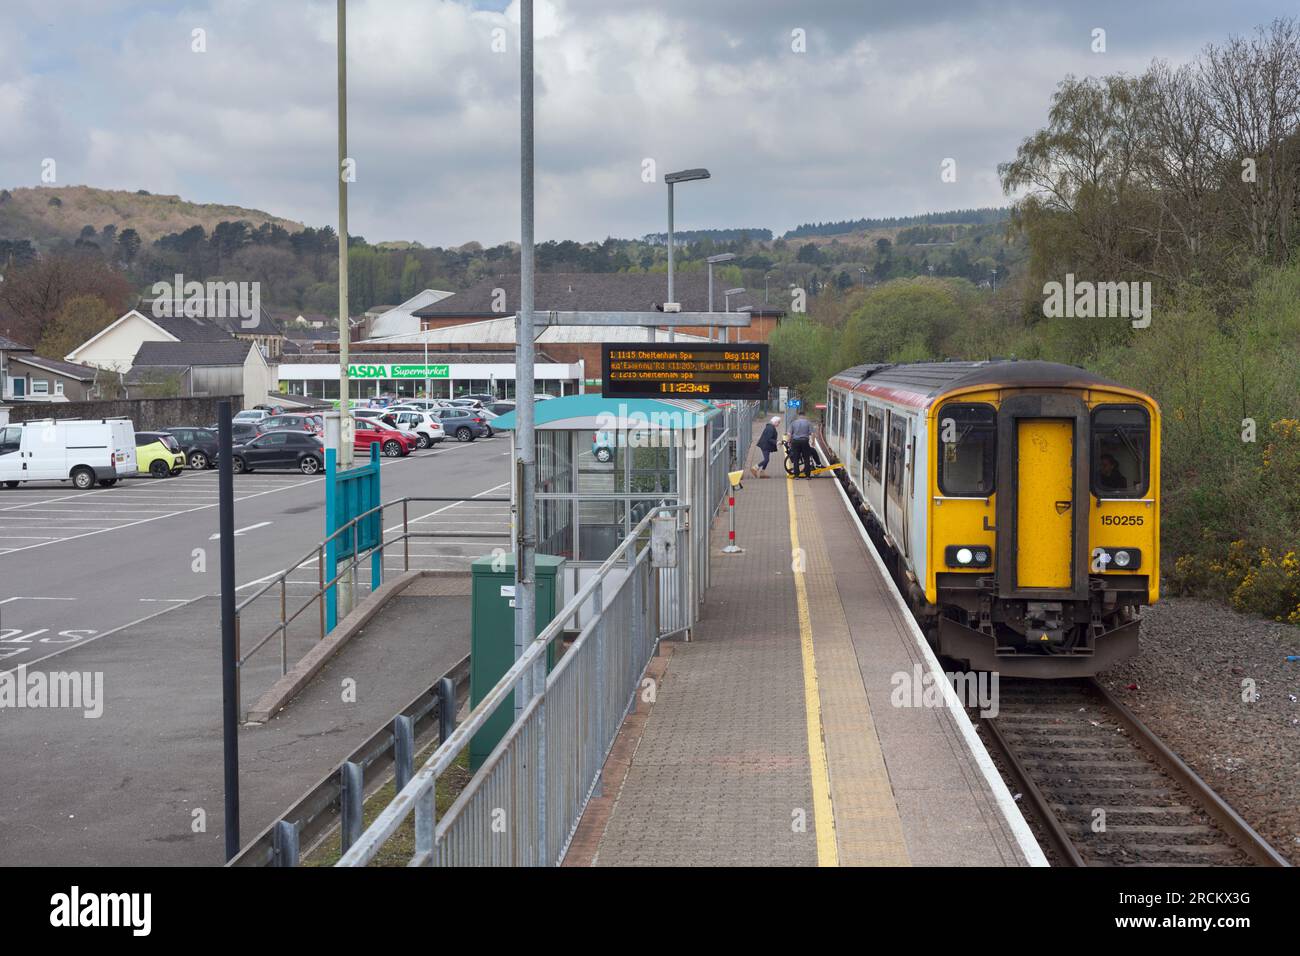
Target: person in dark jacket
{"x":766,"y":444}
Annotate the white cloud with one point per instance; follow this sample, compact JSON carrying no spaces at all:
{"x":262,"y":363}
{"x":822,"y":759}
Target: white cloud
{"x":855,"y":126}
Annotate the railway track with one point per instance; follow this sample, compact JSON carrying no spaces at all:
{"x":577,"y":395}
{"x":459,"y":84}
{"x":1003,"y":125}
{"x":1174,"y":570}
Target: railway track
{"x":1107,"y":791}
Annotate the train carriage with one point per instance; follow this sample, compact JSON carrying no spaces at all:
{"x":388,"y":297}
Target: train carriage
{"x":1017,"y":503}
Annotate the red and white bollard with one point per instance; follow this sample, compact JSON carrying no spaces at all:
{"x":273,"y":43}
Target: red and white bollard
{"x":731,"y":548}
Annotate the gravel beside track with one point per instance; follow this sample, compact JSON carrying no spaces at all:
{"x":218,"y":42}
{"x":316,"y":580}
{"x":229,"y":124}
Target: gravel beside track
{"x":1186,"y":685}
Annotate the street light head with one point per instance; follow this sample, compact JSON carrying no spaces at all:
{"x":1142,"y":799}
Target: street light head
{"x":733,"y":291}
{"x":722,"y":257}
{"x":686,"y":175}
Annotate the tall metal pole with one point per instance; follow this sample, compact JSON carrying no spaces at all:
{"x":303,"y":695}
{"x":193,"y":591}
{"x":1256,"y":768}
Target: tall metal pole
{"x":671,"y":336}
{"x":345,"y":389}
{"x":525,"y":452}
{"x":229,"y":652}
{"x":711,"y":329}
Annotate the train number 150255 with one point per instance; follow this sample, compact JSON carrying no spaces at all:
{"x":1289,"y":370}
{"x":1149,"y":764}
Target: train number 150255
{"x":1122,"y":519}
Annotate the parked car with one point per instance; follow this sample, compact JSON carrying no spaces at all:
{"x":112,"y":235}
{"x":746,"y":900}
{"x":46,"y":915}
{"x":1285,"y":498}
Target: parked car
{"x":464,"y":403}
{"x":159,"y":454}
{"x":419,"y":404}
{"x":465,"y":424}
{"x":370,"y":413}
{"x":392,"y":443}
{"x":271,"y":409}
{"x":241,"y":432}
{"x":500,"y":408}
{"x":198,"y":444}
{"x":251,"y":415}
{"x":300,"y":422}
{"x":283,"y":448}
{"x":83,"y":452}
{"x":317,"y":421}
{"x":427,"y":428}
{"x":481,"y":397}
{"x":488,"y":418}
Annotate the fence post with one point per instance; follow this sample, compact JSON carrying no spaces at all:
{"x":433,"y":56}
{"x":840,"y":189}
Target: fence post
{"x":446,"y":708}
{"x":284,"y":844}
{"x":353,"y":804}
{"x":403,"y":750}
{"x":598,"y":597}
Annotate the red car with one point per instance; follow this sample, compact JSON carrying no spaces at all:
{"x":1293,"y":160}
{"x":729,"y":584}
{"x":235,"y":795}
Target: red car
{"x":392,"y":443}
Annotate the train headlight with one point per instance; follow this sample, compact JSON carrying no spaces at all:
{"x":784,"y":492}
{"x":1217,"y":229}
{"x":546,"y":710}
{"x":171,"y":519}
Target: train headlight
{"x":1117,"y":559}
{"x":968,"y":556}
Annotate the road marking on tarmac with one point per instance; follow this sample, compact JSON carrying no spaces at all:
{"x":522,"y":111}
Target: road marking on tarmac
{"x":823,"y":814}
{"x":251,"y":527}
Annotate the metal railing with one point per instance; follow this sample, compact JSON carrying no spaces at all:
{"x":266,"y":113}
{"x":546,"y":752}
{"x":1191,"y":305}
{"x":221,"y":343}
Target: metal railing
{"x":339,"y":799}
{"x":347,"y":575}
{"x":522,"y":805}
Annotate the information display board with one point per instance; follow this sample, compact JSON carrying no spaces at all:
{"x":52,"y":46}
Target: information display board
{"x":699,"y":370}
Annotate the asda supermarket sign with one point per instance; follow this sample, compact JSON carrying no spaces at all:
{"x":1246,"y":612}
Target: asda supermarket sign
{"x":399,"y":371}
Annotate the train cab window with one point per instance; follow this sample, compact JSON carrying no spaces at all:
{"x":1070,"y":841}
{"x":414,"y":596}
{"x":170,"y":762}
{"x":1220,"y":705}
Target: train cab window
{"x":875,"y":435}
{"x":967,"y":450}
{"x":1121,"y":451}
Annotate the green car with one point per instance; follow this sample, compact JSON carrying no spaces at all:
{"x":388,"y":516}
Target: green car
{"x":158,"y":454}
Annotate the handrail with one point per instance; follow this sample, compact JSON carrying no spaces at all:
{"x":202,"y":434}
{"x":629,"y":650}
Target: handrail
{"x":390,"y":819}
{"x":281,"y":579}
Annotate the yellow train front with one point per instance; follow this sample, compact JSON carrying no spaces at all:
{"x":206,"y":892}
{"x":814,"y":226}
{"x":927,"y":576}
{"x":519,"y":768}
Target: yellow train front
{"x":1017,"y":504}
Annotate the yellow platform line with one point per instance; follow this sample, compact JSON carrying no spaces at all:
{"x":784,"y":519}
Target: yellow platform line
{"x":823,"y":815}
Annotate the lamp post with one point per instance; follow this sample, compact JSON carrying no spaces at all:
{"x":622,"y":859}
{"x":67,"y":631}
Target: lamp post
{"x":766,"y":276}
{"x":722,"y":257}
{"x":672,"y":179}
{"x":726,"y":298}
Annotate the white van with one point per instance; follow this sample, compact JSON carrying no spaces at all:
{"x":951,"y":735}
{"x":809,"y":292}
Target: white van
{"x":76,"y":450}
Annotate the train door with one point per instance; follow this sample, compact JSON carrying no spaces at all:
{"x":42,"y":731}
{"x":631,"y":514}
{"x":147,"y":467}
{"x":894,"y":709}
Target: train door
{"x":1044,"y":502}
{"x":895,"y":491}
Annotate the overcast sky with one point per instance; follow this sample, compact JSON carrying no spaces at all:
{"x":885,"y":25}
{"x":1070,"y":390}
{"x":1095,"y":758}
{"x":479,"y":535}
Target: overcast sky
{"x":856,"y":125}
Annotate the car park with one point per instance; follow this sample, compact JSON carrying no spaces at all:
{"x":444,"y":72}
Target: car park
{"x":392,"y":443}
{"x":76,"y":450}
{"x":284,"y":448}
{"x":464,"y":424}
{"x":199,"y":445}
{"x":427,"y":428}
{"x":158,"y":454}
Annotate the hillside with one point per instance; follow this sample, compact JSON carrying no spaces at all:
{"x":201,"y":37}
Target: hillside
{"x":29,"y":213}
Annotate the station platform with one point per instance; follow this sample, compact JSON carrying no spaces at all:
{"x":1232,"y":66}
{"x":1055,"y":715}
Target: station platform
{"x":771,"y":738}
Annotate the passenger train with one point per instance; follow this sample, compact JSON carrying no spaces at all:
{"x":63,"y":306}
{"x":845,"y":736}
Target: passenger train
{"x":1017,"y":504}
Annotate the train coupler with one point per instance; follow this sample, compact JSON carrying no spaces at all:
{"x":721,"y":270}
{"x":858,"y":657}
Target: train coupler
{"x":1044,"y":625}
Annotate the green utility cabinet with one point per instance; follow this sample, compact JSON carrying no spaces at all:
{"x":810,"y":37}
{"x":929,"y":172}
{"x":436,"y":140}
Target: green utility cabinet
{"x":492,"y":636}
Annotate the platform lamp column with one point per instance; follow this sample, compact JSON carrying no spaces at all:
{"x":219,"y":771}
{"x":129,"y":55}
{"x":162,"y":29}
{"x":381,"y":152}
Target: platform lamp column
{"x":723,"y":257}
{"x":672,"y":179}
{"x":525,"y":410}
{"x":346,"y":424}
